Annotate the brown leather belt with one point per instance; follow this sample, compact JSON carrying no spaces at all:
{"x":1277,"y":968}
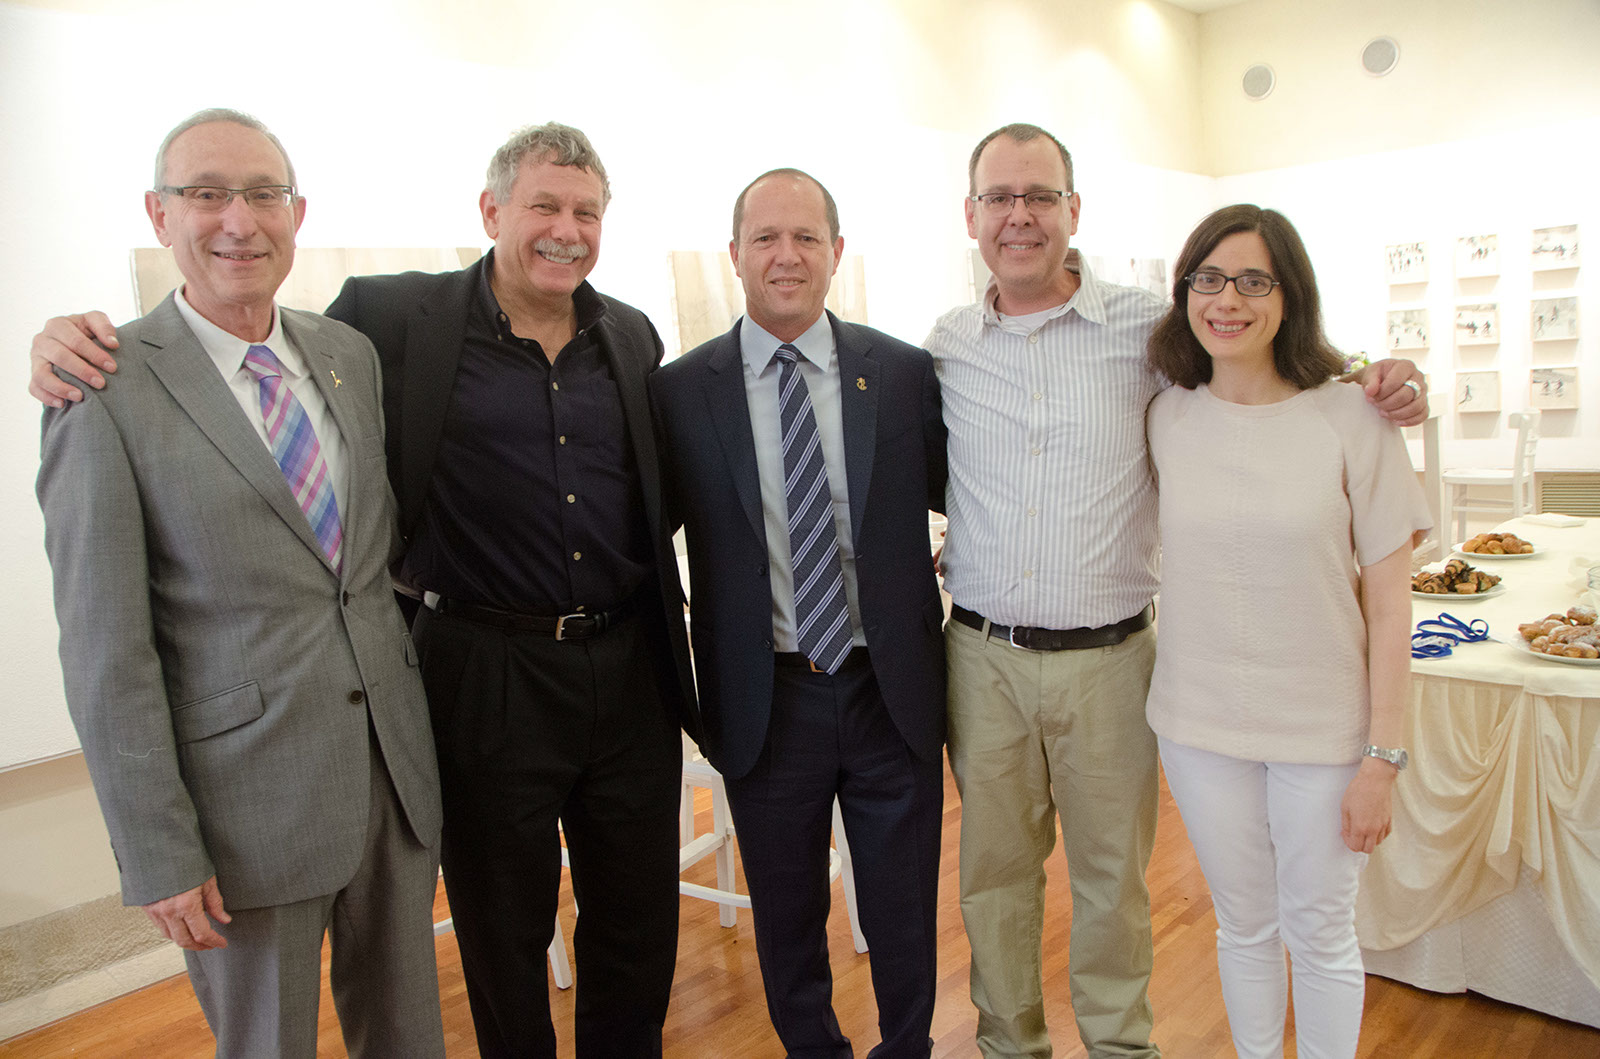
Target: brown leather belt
{"x":795,"y":660}
{"x":576,"y":626}
{"x":1058,"y":639}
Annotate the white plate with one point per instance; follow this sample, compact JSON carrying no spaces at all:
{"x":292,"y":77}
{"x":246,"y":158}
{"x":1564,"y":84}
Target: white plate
{"x":1470,"y":556}
{"x":1456,"y":597}
{"x":1522,"y":645}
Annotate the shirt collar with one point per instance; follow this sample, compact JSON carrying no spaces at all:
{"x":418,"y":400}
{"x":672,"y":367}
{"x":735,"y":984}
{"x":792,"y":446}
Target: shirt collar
{"x":587,"y":304}
{"x":1088,"y":301}
{"x":227,"y":350}
{"x":757,"y":344}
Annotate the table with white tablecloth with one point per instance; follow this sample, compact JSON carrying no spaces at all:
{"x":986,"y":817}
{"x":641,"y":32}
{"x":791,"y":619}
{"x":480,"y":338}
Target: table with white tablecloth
{"x":1491,"y":878}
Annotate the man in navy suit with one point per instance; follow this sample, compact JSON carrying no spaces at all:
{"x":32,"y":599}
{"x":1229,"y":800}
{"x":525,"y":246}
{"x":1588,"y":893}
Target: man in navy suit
{"x":815,"y":615}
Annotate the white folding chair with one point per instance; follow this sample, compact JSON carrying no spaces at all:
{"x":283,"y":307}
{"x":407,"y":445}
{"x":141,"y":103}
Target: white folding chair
{"x":1519,"y":478}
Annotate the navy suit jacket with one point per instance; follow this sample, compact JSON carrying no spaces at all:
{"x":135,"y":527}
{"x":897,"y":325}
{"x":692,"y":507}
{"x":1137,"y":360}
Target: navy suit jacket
{"x":418,"y":322}
{"x":894,"y":439}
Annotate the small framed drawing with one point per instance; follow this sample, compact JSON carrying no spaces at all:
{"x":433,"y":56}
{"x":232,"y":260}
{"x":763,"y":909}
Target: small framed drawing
{"x":1555,"y":247}
{"x":1554,"y":319}
{"x":1408,"y":263}
{"x":1478,"y":255}
{"x":1553,"y":388}
{"x":1478,"y":391}
{"x":1477,"y":325}
{"x":1408,"y":329}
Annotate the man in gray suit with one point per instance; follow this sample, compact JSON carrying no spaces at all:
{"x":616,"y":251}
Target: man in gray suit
{"x":219,"y":525}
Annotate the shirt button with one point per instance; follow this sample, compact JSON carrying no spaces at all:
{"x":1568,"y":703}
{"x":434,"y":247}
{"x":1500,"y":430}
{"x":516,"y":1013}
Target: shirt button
{"x":1037,"y":396}
{"x":1034,"y":338}
{"x":1027,"y":574}
{"x":357,"y":697}
{"x":562,"y":439}
{"x":1035,"y":452}
{"x":1033,"y":512}
{"x":571,"y":499}
{"x":555,"y":386}
{"x":576,"y":556}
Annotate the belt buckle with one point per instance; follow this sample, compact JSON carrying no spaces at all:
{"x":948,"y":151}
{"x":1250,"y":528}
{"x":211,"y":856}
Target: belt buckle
{"x":561,"y":624}
{"x":813,"y":666}
{"x":1011,"y":638}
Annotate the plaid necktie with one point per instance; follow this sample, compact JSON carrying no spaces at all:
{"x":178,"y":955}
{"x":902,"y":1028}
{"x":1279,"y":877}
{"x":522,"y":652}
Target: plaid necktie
{"x":295,"y":447}
{"x":821,"y":612}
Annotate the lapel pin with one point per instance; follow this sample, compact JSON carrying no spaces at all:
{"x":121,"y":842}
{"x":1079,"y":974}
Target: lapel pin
{"x":861,"y":382}
{"x":336,"y":382}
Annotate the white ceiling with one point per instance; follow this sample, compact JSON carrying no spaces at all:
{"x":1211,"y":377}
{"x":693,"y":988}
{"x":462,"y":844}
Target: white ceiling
{"x":1200,"y":7}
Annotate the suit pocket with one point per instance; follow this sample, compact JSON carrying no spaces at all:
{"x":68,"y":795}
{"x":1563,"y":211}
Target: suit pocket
{"x":217,"y":713}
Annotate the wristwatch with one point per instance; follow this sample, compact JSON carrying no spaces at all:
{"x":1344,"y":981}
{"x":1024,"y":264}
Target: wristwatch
{"x":1396,"y":756}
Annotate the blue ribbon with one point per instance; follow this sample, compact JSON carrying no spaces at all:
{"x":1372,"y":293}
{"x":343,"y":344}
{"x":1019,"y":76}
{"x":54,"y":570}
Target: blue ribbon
{"x":1438,"y":637}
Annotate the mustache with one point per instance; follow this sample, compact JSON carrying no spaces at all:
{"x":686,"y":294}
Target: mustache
{"x":556,"y":248}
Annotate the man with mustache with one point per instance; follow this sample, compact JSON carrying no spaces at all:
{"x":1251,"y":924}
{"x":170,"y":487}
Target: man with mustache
{"x":551,"y":629}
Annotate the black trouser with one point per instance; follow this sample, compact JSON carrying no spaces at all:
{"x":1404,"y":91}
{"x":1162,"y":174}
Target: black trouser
{"x":531,"y":730}
{"x":832,"y":737}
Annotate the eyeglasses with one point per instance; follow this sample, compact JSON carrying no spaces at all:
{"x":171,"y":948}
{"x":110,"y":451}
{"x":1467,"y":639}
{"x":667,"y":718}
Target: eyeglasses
{"x":1251,"y":284}
{"x":1036,"y":201}
{"x":215,"y":200}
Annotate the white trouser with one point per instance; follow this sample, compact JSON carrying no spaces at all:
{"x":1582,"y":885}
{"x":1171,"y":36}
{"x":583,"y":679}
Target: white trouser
{"x":1267,"y":836}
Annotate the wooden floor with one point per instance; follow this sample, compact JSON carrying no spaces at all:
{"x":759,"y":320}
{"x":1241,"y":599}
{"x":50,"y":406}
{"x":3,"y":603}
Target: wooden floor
{"x":718,"y":1009}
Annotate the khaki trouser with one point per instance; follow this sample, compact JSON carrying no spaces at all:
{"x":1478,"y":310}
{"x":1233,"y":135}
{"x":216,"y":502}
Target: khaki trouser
{"x":1033,"y":733}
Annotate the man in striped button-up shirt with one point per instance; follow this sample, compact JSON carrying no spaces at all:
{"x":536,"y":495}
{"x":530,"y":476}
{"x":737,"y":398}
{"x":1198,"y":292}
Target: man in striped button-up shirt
{"x":1052,"y":549}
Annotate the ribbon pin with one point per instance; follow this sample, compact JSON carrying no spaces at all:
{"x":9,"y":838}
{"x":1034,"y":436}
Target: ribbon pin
{"x":861,"y":383}
{"x":336,"y":382}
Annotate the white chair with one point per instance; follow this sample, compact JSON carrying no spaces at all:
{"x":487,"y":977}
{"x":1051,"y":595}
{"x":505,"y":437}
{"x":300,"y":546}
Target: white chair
{"x":1519,"y":478}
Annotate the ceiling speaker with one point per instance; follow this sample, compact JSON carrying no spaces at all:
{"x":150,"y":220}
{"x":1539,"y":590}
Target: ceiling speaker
{"x":1380,"y":56}
{"x":1258,"y":81}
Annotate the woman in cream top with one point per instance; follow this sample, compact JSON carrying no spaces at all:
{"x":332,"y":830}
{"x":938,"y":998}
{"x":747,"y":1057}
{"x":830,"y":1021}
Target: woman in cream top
{"x":1288,"y":511}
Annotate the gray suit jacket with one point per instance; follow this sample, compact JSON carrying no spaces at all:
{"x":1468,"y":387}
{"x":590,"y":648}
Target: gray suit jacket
{"x":219,"y":673}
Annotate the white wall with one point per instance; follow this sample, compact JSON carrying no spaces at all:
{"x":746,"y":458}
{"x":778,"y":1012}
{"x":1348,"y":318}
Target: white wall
{"x":1468,"y":69}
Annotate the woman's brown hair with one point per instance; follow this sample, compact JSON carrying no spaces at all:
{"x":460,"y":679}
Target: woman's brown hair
{"x":1301,"y":353}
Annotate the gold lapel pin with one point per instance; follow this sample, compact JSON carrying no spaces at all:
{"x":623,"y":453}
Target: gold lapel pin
{"x":336,"y":382}
{"x":861,"y":382}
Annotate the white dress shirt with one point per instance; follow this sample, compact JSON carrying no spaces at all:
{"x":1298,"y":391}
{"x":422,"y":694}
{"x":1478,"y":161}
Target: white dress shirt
{"x":1051,"y":503}
{"x":818,"y":364}
{"x":227,"y":352}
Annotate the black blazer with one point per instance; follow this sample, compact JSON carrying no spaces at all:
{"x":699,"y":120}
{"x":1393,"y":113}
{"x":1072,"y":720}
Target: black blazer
{"x":418,"y":322}
{"x":894,"y":439}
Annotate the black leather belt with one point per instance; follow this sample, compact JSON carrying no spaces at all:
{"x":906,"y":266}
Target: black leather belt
{"x":576,"y":626}
{"x":795,"y":660}
{"x":1058,"y":639}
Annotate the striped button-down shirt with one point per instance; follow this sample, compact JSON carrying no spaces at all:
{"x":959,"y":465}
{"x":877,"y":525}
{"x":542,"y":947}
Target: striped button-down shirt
{"x":1051,"y":502}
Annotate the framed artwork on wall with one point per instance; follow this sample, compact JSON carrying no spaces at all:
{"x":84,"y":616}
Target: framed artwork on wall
{"x":1554,"y":319}
{"x":1553,"y":388}
{"x":1478,"y":391}
{"x":1407,"y":263}
{"x":1408,"y":329}
{"x":1477,"y":324}
{"x":1555,"y":247}
{"x":1478,"y":255}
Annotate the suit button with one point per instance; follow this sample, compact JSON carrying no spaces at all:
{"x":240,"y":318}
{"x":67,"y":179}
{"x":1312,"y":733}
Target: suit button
{"x":357,"y":697}
{"x":768,"y":643}
{"x":344,"y":597}
{"x":761,"y":571}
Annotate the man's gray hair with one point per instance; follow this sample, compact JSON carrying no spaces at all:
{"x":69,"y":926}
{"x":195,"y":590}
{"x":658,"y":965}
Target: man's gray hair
{"x":206,"y":117}
{"x":829,"y":208}
{"x":1022,"y":132}
{"x":551,"y":142}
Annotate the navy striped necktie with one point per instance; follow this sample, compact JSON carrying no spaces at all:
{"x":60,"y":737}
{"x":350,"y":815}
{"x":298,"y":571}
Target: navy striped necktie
{"x":821,"y":611}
